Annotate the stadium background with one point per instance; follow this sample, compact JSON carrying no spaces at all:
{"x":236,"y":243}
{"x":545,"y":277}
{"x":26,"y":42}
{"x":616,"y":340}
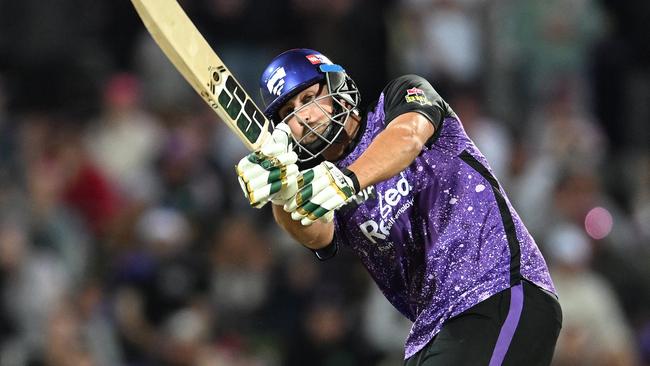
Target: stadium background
{"x":124,"y":238}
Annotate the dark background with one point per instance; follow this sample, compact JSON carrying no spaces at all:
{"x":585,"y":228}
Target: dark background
{"x":124,"y":238}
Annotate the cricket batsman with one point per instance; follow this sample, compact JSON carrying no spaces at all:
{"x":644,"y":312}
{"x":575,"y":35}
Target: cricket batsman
{"x":403,"y":187}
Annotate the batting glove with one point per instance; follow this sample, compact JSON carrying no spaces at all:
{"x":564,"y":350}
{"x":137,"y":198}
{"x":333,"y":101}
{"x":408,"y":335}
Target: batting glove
{"x":270,"y":174}
{"x":322,"y":190}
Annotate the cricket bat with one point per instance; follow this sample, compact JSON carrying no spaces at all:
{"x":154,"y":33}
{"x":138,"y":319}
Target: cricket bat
{"x":193,"y":57}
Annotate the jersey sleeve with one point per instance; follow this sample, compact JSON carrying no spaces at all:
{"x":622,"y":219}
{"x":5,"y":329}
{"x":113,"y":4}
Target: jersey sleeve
{"x":412,"y":93}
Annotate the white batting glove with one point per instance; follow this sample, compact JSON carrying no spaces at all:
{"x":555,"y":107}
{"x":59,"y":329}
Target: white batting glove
{"x":270,"y":174}
{"x":322,"y":190}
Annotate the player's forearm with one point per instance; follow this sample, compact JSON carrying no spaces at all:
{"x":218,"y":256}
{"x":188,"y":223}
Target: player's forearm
{"x":314,"y":236}
{"x":392,"y":151}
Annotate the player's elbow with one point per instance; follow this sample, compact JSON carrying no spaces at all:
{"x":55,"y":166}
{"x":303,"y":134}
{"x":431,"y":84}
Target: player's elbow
{"x":410,"y":139}
{"x":412,"y":131}
{"x":413,"y":144}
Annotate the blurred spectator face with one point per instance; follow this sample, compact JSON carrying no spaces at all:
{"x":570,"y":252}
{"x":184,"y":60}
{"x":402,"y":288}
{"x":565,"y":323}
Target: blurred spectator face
{"x":187,"y":330}
{"x":12,"y":246}
{"x":341,"y":8}
{"x":467,"y":107}
{"x":241,"y":263}
{"x":302,"y":273}
{"x":568,"y":247}
{"x":241,"y":247}
{"x":89,"y":298}
{"x":165,"y":231}
{"x":569,"y":134}
{"x":122,"y":92}
{"x":326,"y":324}
{"x":64,"y":345}
{"x":576,"y":195}
{"x":228,"y":8}
{"x":186,"y":148}
{"x":46,"y":182}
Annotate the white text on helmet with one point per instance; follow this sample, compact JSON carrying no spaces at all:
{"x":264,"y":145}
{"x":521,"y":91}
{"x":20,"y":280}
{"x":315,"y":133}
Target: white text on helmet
{"x":276,"y":81}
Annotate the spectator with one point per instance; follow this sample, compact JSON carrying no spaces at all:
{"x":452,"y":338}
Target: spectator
{"x":125,"y":139}
{"x":595,"y":330}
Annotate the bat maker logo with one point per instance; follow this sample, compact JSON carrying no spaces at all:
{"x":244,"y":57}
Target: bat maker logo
{"x":215,"y":73}
{"x":276,"y":81}
{"x":416,"y":95}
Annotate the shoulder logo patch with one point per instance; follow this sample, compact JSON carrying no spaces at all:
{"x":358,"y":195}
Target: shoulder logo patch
{"x":416,"y":95}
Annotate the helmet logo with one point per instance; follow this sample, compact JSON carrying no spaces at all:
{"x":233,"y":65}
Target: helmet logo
{"x":276,"y":81}
{"x":316,"y":59}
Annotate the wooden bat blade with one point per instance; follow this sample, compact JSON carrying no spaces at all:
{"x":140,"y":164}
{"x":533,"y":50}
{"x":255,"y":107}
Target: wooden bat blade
{"x":193,"y":57}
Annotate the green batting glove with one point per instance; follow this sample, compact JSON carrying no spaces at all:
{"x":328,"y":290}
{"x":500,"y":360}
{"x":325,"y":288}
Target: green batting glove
{"x":271,"y":173}
{"x":321,"y":190}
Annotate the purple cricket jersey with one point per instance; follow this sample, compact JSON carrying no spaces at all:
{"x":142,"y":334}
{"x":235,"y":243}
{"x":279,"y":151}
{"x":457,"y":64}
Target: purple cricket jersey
{"x":439,"y":237}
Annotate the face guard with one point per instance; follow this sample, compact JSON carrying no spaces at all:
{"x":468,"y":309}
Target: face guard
{"x":294,"y":71}
{"x":327,"y":130}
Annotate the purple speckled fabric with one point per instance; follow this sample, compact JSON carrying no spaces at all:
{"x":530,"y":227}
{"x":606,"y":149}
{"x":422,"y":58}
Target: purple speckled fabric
{"x":433,"y":237}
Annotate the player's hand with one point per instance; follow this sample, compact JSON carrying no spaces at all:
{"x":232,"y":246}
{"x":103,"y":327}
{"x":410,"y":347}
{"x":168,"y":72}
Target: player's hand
{"x":322,"y":190}
{"x":270,"y":174}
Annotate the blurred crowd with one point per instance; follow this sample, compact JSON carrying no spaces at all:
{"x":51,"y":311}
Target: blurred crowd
{"x":125,"y":240}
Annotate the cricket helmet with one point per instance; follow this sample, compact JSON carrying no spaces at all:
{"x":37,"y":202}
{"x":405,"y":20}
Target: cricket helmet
{"x":294,"y":71}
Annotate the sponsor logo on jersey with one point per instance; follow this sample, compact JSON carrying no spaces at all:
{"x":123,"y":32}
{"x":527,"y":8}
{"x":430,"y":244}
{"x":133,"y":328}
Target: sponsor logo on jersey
{"x":366,"y":194}
{"x":318,"y":59}
{"x":392,"y":204}
{"x":276,"y":81}
{"x":416,"y":95}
